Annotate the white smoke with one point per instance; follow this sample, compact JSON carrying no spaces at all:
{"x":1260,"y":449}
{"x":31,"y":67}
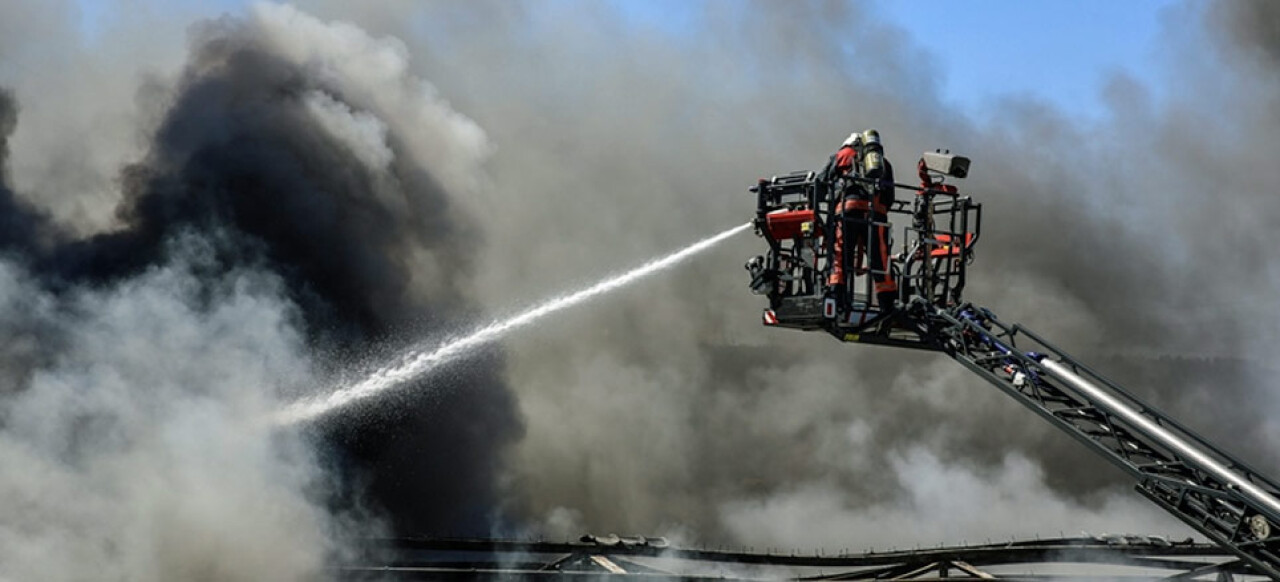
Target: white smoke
{"x":363,"y":133}
{"x":940,"y":502}
{"x":138,"y":453}
{"x":375,"y":72}
{"x":88,"y":101}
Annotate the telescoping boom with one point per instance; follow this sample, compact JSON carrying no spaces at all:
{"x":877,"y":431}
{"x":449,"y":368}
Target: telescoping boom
{"x":1213,"y":492}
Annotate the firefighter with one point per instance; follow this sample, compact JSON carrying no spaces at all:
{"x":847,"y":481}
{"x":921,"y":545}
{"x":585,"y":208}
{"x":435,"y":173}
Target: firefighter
{"x":861,"y":204}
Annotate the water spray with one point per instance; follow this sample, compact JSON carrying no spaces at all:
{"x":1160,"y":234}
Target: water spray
{"x":417,"y":363}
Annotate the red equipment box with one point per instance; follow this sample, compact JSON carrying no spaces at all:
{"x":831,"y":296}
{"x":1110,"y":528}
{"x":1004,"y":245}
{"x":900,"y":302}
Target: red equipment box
{"x":784,"y":225}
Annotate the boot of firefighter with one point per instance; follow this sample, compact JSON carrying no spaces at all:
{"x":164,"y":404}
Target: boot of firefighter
{"x":887,"y":300}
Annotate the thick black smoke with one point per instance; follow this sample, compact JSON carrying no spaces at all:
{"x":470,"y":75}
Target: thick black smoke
{"x":241,"y":160}
{"x":28,"y":344}
{"x":22,"y":228}
{"x":1252,"y":28}
{"x":238,"y":151}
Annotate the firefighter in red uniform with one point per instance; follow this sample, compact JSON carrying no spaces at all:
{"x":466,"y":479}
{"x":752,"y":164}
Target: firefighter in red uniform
{"x":862,"y":204}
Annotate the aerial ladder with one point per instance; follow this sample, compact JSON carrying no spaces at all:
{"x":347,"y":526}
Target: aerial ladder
{"x":1226,"y":500}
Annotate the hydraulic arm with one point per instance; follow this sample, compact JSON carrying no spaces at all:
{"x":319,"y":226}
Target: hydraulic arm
{"x":1204,"y":486}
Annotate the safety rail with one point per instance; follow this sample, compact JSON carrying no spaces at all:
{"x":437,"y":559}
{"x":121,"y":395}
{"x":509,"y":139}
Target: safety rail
{"x":798,"y":214}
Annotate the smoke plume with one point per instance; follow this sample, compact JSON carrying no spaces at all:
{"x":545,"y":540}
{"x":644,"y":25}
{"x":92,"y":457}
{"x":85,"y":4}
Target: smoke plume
{"x":1135,"y":240}
{"x":277,"y":226}
{"x":294,"y":197}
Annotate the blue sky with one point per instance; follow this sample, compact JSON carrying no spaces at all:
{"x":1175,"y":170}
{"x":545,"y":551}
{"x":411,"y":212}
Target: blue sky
{"x":1059,"y":51}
